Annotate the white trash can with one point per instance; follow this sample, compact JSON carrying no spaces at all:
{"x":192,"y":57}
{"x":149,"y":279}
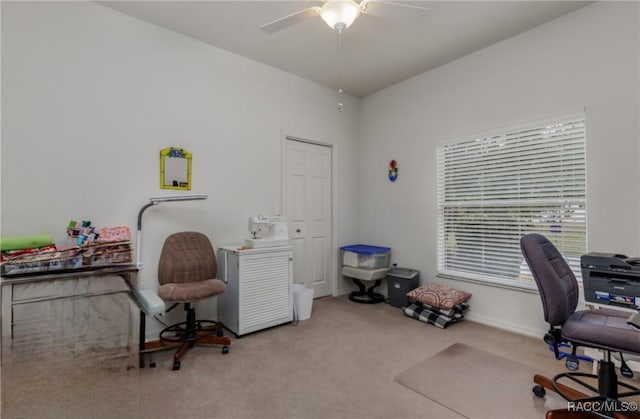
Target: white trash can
{"x":302,"y":302}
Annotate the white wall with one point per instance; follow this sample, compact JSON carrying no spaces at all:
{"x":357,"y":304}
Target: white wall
{"x":90,"y":96}
{"x":586,"y":59}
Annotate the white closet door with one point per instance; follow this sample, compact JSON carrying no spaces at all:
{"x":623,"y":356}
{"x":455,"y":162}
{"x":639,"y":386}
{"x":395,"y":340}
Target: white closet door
{"x":308,"y":211}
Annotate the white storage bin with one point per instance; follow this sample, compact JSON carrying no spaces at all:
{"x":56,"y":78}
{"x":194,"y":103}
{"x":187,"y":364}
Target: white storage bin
{"x":365,"y":257}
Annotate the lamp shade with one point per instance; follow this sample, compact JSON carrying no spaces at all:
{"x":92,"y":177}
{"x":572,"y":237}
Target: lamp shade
{"x":339,"y":14}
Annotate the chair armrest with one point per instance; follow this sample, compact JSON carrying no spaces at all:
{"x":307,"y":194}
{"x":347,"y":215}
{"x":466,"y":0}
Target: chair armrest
{"x":149,"y":302}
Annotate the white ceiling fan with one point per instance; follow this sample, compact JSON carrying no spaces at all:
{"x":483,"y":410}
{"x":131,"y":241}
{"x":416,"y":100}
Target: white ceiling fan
{"x":338,"y":14}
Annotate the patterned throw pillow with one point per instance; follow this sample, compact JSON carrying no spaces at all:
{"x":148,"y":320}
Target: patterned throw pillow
{"x":438,"y":295}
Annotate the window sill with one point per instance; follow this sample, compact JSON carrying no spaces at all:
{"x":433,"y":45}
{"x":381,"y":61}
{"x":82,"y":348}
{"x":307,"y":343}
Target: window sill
{"x":521,"y":287}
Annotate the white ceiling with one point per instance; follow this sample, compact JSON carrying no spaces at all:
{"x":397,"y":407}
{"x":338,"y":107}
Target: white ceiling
{"x":377,"y":51}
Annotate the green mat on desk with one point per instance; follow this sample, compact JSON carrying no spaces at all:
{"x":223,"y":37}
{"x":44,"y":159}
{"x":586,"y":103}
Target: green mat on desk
{"x":25,"y":242}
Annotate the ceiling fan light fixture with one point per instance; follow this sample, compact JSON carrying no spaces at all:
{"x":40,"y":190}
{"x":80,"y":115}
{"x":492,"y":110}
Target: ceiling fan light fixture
{"x":339,"y":14}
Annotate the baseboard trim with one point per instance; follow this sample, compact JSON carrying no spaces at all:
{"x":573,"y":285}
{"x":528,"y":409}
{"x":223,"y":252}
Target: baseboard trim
{"x":509,"y":326}
{"x":489,"y":321}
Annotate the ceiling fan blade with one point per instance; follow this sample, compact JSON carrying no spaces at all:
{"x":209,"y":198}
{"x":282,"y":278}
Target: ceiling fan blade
{"x":394,"y":3}
{"x":288,"y":20}
{"x":385,"y":8}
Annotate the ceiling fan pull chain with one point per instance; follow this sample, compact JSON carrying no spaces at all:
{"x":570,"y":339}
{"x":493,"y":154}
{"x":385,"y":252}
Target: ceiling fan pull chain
{"x":340,"y":105}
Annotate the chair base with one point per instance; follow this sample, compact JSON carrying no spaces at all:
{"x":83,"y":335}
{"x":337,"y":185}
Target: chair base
{"x":212,"y":335}
{"x":567,"y":414}
{"x":183,"y":332}
{"x":603,"y":403}
{"x":364,"y":295}
{"x":184,"y":336}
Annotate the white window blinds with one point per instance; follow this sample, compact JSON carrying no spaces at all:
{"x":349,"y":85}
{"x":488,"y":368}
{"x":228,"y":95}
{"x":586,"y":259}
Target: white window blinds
{"x":493,"y":190}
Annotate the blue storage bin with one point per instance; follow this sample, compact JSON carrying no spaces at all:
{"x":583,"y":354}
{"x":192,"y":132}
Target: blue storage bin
{"x":365,"y":256}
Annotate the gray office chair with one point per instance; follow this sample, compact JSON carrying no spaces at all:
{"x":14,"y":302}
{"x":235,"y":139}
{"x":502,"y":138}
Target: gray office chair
{"x":604,"y":329}
{"x":187,"y":273}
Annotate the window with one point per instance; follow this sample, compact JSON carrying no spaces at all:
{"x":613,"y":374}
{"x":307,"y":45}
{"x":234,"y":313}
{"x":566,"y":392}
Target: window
{"x":494,"y":190}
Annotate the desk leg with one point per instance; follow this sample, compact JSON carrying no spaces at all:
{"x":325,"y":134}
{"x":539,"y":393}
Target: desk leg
{"x":141,"y":336}
{"x":7,"y":314}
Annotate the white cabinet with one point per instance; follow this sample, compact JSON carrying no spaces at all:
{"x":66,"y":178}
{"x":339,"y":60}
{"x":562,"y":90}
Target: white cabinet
{"x":259,"y":287}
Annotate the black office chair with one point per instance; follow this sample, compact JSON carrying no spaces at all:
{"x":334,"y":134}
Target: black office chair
{"x":187,"y":273}
{"x":604,"y":329}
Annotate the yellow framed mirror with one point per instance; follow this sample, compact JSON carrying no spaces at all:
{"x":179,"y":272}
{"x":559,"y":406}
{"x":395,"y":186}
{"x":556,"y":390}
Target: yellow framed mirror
{"x":175,"y":169}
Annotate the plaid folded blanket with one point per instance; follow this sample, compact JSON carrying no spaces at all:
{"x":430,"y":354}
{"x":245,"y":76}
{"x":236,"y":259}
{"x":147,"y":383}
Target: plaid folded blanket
{"x":432,"y":316}
{"x":456,"y":309}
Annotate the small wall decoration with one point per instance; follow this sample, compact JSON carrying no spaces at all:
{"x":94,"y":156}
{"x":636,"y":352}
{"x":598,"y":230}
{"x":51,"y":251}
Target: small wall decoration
{"x":175,"y":169}
{"x":393,"y":170}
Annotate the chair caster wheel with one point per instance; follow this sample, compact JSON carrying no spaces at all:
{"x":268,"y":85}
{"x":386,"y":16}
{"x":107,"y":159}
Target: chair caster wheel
{"x":539,"y":391}
{"x":176,"y":365}
{"x":219,"y":333}
{"x":152,"y":364}
{"x":225,"y":350}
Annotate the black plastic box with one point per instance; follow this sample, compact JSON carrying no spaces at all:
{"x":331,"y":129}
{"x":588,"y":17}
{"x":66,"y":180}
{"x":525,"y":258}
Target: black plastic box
{"x":400,"y":281}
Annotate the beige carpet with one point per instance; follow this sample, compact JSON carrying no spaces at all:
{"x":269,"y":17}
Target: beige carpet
{"x":339,"y":364}
{"x":475,"y":384}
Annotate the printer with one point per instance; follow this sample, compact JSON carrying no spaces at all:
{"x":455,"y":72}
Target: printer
{"x":611,"y":279}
